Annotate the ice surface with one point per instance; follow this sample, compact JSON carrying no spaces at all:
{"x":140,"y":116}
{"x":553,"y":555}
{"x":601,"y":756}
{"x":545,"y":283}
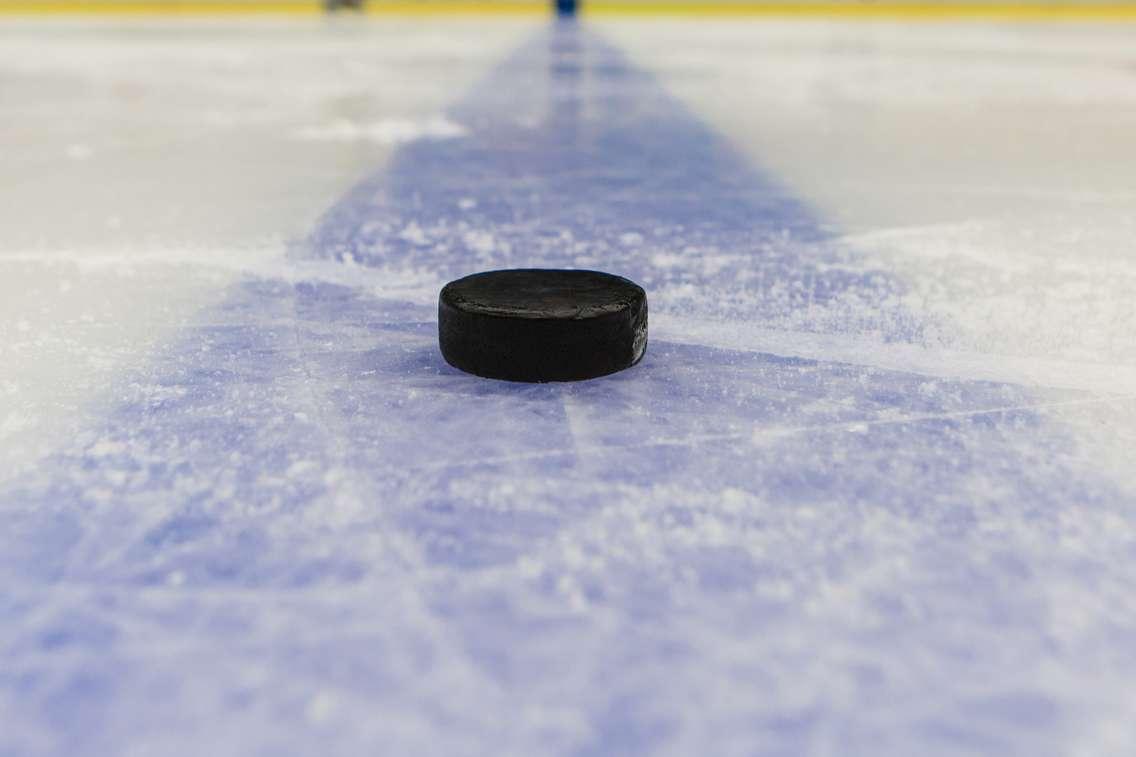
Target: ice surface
{"x":387,"y":132}
{"x":999,"y":190}
{"x":190,"y":174}
{"x":823,"y":515}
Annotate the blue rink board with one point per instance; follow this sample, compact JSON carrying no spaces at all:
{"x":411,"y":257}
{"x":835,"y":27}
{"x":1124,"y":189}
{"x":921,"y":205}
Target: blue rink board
{"x":302,"y":533}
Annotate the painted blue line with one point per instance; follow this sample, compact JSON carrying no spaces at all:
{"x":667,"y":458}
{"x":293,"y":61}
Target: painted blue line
{"x":304,"y":533}
{"x":577,"y":159}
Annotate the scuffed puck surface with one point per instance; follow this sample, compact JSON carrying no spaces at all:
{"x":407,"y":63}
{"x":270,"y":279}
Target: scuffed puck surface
{"x":536,"y":324}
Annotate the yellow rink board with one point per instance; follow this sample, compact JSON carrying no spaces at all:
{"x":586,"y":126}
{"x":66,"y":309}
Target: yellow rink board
{"x":901,"y":10}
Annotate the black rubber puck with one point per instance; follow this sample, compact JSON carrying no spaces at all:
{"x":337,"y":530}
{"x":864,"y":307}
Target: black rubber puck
{"x":542,"y":325}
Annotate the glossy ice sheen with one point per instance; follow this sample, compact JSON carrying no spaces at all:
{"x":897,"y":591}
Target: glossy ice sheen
{"x":816,"y":519}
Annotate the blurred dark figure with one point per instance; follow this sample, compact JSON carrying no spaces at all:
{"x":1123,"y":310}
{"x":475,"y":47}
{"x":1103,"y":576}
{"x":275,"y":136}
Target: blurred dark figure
{"x":565,"y":8}
{"x":331,"y":6}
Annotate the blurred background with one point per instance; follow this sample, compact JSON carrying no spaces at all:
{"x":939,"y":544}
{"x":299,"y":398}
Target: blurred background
{"x":883,"y":8}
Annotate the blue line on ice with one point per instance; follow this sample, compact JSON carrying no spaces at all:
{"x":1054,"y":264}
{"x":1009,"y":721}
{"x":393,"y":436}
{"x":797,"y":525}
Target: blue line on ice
{"x":303,"y":533}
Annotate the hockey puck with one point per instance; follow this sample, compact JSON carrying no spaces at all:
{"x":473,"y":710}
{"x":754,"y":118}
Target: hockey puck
{"x":542,"y":325}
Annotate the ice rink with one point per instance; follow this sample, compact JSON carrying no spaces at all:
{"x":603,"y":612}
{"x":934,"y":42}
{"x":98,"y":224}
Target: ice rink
{"x":870,"y":492}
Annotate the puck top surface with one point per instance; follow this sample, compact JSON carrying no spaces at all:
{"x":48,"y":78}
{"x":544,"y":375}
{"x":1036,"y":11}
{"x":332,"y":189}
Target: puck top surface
{"x":542,"y":293}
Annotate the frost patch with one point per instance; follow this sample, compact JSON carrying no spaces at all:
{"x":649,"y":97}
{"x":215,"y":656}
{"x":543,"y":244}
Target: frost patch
{"x":388,"y":131}
{"x":480,"y":241}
